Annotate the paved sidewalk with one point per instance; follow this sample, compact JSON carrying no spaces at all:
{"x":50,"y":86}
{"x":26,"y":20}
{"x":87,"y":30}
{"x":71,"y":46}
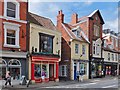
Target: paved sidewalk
{"x":52,"y":83}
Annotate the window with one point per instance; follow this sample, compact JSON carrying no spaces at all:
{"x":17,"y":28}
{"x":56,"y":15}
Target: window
{"x":98,"y":49}
{"x":83,"y":49}
{"x":11,"y":9}
{"x":83,"y":68}
{"x":93,"y":48}
{"x":76,"y":32}
{"x":116,"y":43}
{"x":96,"y":30}
{"x":11,"y":35}
{"x":37,"y":70}
{"x":116,"y":57}
{"x":46,"y":43}
{"x":112,"y":57}
{"x":76,"y":48}
{"x":63,"y":70}
{"x":109,"y":56}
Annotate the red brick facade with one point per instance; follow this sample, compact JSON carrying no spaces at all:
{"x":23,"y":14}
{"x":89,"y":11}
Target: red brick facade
{"x":22,"y":33}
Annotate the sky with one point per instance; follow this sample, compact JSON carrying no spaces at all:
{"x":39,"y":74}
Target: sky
{"x":109,"y":11}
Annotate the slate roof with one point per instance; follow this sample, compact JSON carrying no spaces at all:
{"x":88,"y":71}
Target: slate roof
{"x":42,"y":21}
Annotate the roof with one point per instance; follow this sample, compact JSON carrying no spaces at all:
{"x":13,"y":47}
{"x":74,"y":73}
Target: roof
{"x":96,"y":11}
{"x":42,"y":21}
{"x":68,"y":28}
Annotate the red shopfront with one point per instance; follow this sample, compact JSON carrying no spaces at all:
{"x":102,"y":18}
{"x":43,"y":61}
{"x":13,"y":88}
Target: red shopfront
{"x":47,"y":65}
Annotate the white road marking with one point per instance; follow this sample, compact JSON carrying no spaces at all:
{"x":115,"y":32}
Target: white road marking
{"x":109,"y":86}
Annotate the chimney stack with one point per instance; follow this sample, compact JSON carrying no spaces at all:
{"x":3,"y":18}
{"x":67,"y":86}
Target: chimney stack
{"x":60,"y":17}
{"x":74,"y":18}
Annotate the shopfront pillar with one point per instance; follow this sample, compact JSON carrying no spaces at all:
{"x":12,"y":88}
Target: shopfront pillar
{"x":32,"y":71}
{"x":57,"y":72}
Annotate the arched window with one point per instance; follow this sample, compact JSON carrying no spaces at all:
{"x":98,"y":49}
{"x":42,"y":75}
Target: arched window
{"x":4,"y":63}
{"x":14,"y":62}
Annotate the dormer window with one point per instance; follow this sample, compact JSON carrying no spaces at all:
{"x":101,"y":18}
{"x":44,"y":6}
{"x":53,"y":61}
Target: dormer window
{"x":76,"y":32}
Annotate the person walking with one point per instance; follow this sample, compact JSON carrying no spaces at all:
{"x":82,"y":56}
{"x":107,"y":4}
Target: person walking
{"x":8,"y":79}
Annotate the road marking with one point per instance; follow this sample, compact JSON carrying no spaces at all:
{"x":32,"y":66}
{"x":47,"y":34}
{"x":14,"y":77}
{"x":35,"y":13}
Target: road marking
{"x":109,"y":86}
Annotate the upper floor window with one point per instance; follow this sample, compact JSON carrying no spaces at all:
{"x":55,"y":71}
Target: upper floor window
{"x":96,"y":48}
{"x":116,"y":42}
{"x":11,"y":35}
{"x":11,"y":9}
{"x":96,"y":30}
{"x":112,"y":57}
{"x":46,"y":43}
{"x":76,"y":32}
{"x":109,"y":56}
{"x":83,"y":49}
{"x":76,"y":48}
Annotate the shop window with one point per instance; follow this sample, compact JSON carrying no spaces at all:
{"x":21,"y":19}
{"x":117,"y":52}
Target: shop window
{"x":93,"y":67}
{"x":83,"y":49}
{"x":63,"y":70}
{"x":83,"y":68}
{"x":40,"y":70}
{"x":76,"y":48}
{"x":37,"y":71}
{"x":46,"y":43}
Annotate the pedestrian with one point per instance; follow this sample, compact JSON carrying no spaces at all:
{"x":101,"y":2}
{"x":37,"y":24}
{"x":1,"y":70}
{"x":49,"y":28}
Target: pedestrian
{"x":43,"y":75}
{"x":8,"y":79}
{"x":77,"y":75}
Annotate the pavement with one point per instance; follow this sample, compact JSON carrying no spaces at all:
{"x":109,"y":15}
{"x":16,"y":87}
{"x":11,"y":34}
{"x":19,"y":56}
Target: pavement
{"x":61,"y":84}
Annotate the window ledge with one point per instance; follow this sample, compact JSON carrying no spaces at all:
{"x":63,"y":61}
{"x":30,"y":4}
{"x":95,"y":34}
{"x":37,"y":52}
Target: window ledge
{"x":12,"y":46}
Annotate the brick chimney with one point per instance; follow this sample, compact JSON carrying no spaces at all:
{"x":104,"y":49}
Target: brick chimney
{"x":74,"y":18}
{"x":60,"y":17}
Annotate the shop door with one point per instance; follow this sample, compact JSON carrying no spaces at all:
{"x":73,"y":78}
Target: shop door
{"x":75,"y":73}
{"x":51,"y":72}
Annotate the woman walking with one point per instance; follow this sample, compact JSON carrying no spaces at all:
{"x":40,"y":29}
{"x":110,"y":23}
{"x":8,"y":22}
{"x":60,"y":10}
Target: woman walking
{"x":8,"y":79}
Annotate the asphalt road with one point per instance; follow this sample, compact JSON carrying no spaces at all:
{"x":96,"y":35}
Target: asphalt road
{"x":95,"y":84}
{"x":109,"y":84}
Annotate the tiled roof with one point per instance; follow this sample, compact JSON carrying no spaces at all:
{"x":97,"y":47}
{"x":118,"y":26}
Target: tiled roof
{"x":42,"y":21}
{"x":69,"y":28}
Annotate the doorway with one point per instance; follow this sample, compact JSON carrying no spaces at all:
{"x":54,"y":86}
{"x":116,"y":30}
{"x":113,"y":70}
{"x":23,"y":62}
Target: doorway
{"x":51,"y":72}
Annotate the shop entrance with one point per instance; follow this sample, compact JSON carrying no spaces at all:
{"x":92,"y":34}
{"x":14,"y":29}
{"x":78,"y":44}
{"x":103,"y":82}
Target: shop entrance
{"x":51,"y":72}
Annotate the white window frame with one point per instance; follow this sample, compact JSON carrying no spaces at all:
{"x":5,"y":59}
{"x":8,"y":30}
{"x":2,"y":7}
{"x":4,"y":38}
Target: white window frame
{"x":11,"y":26}
{"x":75,"y":48}
{"x":85,"y":50}
{"x":116,"y":42}
{"x":65,"y":70}
{"x":17,"y":14}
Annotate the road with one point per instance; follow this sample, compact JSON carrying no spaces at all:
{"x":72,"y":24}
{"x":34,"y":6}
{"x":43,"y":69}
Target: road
{"x":96,"y":84}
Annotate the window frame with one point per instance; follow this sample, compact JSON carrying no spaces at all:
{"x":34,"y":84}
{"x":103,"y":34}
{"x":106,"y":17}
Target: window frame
{"x":84,"y":50}
{"x":65,"y":70}
{"x":43,"y":34}
{"x":76,"y":49}
{"x":11,"y":26}
{"x":17,"y":13}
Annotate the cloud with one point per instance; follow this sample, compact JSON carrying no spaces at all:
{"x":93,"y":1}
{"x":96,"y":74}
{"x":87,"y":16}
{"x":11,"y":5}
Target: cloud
{"x":88,"y":2}
{"x":113,"y":25}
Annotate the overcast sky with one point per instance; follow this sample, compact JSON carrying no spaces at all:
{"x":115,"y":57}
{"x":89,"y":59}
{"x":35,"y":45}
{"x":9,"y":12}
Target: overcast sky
{"x":109,"y":10}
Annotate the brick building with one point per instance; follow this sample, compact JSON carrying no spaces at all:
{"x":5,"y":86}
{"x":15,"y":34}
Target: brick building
{"x":75,"y":49}
{"x":13,"y":38}
{"x":110,"y":52}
